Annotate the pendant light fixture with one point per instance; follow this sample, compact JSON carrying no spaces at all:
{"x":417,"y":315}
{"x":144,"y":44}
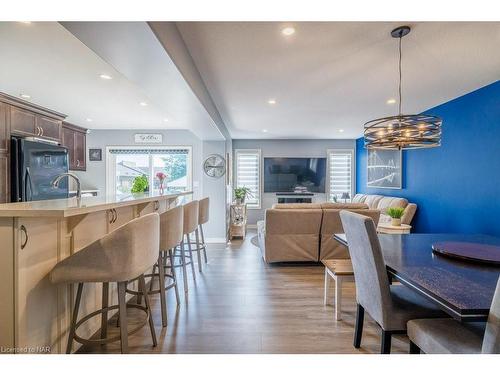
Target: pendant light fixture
{"x":403,"y":132}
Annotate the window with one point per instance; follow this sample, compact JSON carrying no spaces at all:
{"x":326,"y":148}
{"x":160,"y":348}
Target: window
{"x":248,"y":174}
{"x":341,"y":174}
{"x":124,"y":164}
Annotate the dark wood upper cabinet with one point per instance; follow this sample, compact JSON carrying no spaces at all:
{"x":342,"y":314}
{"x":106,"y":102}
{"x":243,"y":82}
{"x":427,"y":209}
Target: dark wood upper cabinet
{"x":74,"y":139}
{"x":28,"y":119}
{"x":68,"y":138}
{"x":49,"y":128}
{"x":22,"y":121}
{"x":80,"y":155}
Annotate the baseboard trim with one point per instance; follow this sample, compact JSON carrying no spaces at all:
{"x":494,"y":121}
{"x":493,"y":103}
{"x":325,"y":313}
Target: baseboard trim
{"x":215,"y":240}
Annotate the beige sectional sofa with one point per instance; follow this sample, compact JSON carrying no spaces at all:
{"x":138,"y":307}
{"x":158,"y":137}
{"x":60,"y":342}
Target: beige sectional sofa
{"x":382,"y":203}
{"x":304,"y":231}
{"x":290,"y":233}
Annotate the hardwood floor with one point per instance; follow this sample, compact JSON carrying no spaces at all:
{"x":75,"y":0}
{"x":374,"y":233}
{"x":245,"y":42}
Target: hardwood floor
{"x":241,"y":305}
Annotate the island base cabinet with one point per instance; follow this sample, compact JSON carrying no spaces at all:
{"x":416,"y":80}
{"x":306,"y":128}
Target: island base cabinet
{"x":38,"y":314}
{"x":35,"y":314}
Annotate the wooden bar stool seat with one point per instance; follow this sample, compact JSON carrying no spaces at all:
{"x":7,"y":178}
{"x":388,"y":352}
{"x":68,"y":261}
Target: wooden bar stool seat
{"x":122,"y":255}
{"x":339,"y":270}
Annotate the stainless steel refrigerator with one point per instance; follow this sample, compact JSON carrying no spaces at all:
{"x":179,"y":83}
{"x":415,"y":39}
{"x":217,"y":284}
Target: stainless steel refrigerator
{"x":34,"y":165}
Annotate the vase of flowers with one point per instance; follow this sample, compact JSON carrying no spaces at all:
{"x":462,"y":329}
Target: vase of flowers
{"x":161,"y":177}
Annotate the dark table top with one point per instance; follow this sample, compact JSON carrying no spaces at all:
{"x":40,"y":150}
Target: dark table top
{"x":461,"y":288}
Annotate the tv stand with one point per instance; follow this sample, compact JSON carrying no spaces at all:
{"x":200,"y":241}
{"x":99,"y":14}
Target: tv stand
{"x":295,"y":197}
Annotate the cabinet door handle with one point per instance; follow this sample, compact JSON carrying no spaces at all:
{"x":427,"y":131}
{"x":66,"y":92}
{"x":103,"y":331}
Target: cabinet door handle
{"x":156,"y":205}
{"x":112,"y":216}
{"x":41,"y":131}
{"x":23,"y":229}
{"x":37,"y":130}
{"x":115,"y":215}
{"x":77,"y":162}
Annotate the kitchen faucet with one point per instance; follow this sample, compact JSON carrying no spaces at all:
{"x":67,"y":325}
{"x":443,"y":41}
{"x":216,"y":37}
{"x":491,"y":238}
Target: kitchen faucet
{"x":57,"y":180}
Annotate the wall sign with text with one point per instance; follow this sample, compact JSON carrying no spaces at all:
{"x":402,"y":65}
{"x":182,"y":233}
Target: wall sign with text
{"x":148,"y":138}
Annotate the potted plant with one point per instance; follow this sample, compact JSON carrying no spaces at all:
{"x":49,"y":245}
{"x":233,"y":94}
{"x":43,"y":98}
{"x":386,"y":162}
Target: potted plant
{"x":140,"y":184}
{"x":395,"y":213}
{"x":241,"y":193}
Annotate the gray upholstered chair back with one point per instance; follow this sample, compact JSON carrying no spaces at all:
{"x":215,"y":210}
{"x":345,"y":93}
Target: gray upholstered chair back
{"x":372,"y":283}
{"x":122,"y":255}
{"x":204,"y":210}
{"x":191,"y":211}
{"x":171,"y":227}
{"x":491,"y":340}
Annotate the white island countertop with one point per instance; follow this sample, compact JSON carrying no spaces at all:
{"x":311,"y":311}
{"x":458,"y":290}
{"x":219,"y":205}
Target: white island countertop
{"x":73,"y":207}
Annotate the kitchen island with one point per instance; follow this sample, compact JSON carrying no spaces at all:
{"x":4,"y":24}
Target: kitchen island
{"x":34,"y":237}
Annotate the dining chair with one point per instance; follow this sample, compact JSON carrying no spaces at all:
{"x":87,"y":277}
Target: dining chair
{"x":391,"y":306}
{"x":448,"y":336}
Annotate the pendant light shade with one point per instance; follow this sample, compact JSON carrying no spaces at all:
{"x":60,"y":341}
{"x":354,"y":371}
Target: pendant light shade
{"x":403,"y":132}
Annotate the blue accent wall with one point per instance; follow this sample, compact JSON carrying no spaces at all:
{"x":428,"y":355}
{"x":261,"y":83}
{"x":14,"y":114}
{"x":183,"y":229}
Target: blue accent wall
{"x":456,"y":186}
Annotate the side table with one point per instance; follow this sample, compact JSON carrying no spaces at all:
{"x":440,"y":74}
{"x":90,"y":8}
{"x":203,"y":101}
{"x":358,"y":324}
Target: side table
{"x":387,"y":228}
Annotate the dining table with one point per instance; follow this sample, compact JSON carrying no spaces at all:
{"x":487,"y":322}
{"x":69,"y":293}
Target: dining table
{"x":462,"y":288}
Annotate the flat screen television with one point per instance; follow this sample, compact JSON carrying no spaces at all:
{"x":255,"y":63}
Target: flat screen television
{"x":282,"y":175}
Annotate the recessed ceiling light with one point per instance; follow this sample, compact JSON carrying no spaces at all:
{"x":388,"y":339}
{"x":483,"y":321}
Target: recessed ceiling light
{"x":391,"y":101}
{"x":105,"y":76}
{"x":341,"y":130}
{"x":143,"y":104}
{"x":271,"y":101}
{"x":89,"y":120}
{"x":25,"y":22}
{"x":25,"y":96}
{"x":165,"y":120}
{"x":264,"y":130}
{"x":287,"y":31}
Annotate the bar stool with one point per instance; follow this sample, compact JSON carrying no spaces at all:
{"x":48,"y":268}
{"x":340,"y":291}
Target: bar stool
{"x":122,"y":255}
{"x":189,"y":226}
{"x":171,"y":235}
{"x":203,"y":216}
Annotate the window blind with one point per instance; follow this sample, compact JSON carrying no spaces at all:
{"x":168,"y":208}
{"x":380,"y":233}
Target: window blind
{"x":248,"y":174}
{"x":147,"y":151}
{"x":340,"y":173}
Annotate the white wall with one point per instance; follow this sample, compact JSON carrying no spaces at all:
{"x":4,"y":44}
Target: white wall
{"x":215,"y":189}
{"x":314,"y":148}
{"x":95,"y":176}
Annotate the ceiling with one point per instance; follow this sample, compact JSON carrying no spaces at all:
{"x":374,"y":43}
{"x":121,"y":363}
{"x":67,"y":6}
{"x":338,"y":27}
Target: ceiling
{"x":60,"y":70}
{"x":329,"y":78}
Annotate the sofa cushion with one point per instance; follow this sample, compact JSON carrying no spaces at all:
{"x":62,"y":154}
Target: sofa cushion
{"x":343,"y":206}
{"x":372,"y":201}
{"x":298,"y":221}
{"x":359,"y":198}
{"x":386,"y":202}
{"x":292,"y":235}
{"x":293,"y":206}
{"x":331,"y":224}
